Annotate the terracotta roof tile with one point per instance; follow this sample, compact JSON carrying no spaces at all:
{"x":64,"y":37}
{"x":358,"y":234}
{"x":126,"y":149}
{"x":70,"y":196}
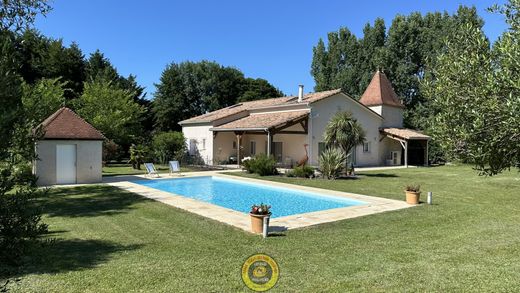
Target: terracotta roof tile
{"x":380,"y":92}
{"x":245,"y":106}
{"x":65,"y":124}
{"x":263,"y":120}
{"x":405,"y":133}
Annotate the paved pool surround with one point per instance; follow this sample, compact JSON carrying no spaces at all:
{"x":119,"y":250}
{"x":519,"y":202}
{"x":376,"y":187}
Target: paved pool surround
{"x":242,"y":221}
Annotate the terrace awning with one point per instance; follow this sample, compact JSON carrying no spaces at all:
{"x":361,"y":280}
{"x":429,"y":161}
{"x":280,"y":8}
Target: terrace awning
{"x":403,"y":136}
{"x":265,"y":123}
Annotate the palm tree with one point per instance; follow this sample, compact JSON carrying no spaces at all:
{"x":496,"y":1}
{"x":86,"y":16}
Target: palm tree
{"x":344,"y":132}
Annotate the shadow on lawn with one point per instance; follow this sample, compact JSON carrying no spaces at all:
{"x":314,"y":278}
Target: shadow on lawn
{"x":380,"y":175}
{"x":88,"y":201}
{"x":62,"y":255}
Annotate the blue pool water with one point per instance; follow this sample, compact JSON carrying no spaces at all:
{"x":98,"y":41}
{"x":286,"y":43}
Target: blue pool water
{"x":240,"y":195}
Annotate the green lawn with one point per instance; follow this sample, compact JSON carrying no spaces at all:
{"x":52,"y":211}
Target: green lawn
{"x":126,"y":169}
{"x":109,"y":240}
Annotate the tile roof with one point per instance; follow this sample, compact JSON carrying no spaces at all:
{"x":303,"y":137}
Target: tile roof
{"x":65,"y":124}
{"x":241,"y":107}
{"x":380,"y":92}
{"x":262,"y":120}
{"x":405,"y":133}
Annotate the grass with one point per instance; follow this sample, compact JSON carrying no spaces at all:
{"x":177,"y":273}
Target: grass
{"x":126,"y":169}
{"x":108,"y":240}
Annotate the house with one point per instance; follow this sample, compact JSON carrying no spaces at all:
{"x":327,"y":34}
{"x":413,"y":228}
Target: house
{"x":70,"y":150}
{"x":292,"y":127}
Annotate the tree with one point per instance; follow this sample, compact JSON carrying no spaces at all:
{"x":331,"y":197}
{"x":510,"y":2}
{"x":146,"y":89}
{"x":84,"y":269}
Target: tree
{"x":42,"y":99}
{"x":19,"y":14}
{"x":10,"y":85}
{"x":465,"y":106}
{"x":168,"y":145}
{"x":190,"y":88}
{"x":406,"y":54}
{"x":257,"y":89}
{"x":343,"y":132}
{"x":42,"y":57}
{"x":111,"y":110}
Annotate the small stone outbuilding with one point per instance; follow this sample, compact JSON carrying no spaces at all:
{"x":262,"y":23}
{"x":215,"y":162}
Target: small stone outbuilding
{"x":69,"y":152}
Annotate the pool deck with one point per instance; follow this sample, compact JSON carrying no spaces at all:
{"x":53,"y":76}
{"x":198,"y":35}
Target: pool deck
{"x":242,"y":220}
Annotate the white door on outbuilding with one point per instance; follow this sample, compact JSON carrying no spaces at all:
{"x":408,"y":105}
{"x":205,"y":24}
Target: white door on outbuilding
{"x":65,"y":163}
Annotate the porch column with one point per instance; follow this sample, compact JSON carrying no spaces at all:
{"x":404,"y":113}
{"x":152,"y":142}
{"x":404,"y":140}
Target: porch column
{"x":426,"y":154}
{"x":239,"y":137}
{"x":269,"y":142}
{"x":406,"y":153}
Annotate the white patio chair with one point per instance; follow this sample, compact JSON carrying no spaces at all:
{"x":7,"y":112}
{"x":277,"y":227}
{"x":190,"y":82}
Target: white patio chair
{"x":150,"y":170}
{"x":175,"y":167}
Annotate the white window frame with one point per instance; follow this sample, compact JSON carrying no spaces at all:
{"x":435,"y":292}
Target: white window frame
{"x":203,"y":143}
{"x":367,"y":147}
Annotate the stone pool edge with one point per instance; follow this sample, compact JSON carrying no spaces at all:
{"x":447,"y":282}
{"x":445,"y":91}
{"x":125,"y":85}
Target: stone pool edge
{"x":242,"y":221}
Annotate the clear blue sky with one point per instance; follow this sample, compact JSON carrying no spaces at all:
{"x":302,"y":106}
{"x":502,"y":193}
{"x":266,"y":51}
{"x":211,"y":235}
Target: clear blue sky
{"x":271,"y":39}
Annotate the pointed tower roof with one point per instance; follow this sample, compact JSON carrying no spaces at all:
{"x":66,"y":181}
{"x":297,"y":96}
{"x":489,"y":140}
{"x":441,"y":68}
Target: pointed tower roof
{"x":380,"y":92}
{"x":65,"y":124}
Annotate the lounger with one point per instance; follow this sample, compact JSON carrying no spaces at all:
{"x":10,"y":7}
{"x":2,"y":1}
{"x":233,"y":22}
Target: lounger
{"x":150,"y":169}
{"x":175,"y":167}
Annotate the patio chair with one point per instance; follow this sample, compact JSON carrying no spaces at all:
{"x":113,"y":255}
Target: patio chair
{"x":175,"y":167}
{"x":150,"y":170}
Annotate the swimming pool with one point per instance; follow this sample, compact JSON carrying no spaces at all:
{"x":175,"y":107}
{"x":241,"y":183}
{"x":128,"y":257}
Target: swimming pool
{"x":240,"y":195}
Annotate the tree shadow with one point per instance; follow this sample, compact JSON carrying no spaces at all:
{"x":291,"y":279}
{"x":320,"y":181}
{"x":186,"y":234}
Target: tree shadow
{"x":61,"y":255}
{"x":88,"y":201}
{"x":380,"y":175}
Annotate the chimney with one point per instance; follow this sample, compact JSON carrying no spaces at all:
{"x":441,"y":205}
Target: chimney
{"x":300,"y":93}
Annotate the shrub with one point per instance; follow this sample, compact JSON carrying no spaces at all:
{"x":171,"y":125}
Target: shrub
{"x":20,"y":216}
{"x":168,"y":145}
{"x":111,"y":151}
{"x":262,"y":165}
{"x":138,"y":155}
{"x":332,"y":162}
{"x":303,"y":172}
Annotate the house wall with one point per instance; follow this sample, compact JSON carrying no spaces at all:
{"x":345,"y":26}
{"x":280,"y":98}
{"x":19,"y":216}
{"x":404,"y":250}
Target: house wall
{"x":223,"y":147}
{"x":386,"y":146}
{"x":323,"y":110}
{"x":88,"y":161}
{"x":199,"y":132}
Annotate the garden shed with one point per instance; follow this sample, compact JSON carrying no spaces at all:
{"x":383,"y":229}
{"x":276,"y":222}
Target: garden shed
{"x":69,"y":152}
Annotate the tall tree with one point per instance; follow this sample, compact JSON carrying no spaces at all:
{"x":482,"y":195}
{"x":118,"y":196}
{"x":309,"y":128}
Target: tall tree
{"x":42,"y":99}
{"x":10,"y":85}
{"x":194,"y":88}
{"x":112,"y":110}
{"x":465,"y":120}
{"x":17,"y":15}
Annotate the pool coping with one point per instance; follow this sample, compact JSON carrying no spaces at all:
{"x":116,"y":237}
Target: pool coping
{"x":242,"y":221}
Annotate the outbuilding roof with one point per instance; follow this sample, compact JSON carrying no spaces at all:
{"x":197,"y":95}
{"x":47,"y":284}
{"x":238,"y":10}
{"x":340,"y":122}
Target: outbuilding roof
{"x":66,"y":124}
{"x":245,"y":106}
{"x":380,"y":92}
{"x":405,"y":133}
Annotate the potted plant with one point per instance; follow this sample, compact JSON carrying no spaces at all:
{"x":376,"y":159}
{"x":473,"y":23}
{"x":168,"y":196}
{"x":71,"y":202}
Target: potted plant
{"x":258,"y":213}
{"x":413,"y":192}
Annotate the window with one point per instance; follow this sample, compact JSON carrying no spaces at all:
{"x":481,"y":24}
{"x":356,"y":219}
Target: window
{"x":234,"y":145}
{"x":252,"y":148}
{"x":203,"y":143}
{"x":321,"y":148}
{"x":366,"y":147}
{"x":193,"y":146}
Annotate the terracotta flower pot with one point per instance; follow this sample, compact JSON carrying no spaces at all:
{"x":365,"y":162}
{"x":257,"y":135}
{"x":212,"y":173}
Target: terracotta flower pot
{"x":257,"y":222}
{"x":412,"y":197}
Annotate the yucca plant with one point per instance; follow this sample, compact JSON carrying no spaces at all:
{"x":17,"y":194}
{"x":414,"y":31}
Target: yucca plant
{"x":344,"y":132}
{"x":332,"y":161}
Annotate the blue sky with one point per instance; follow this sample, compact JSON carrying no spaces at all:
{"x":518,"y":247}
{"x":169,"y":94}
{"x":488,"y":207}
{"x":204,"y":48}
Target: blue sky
{"x":271,"y":39}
